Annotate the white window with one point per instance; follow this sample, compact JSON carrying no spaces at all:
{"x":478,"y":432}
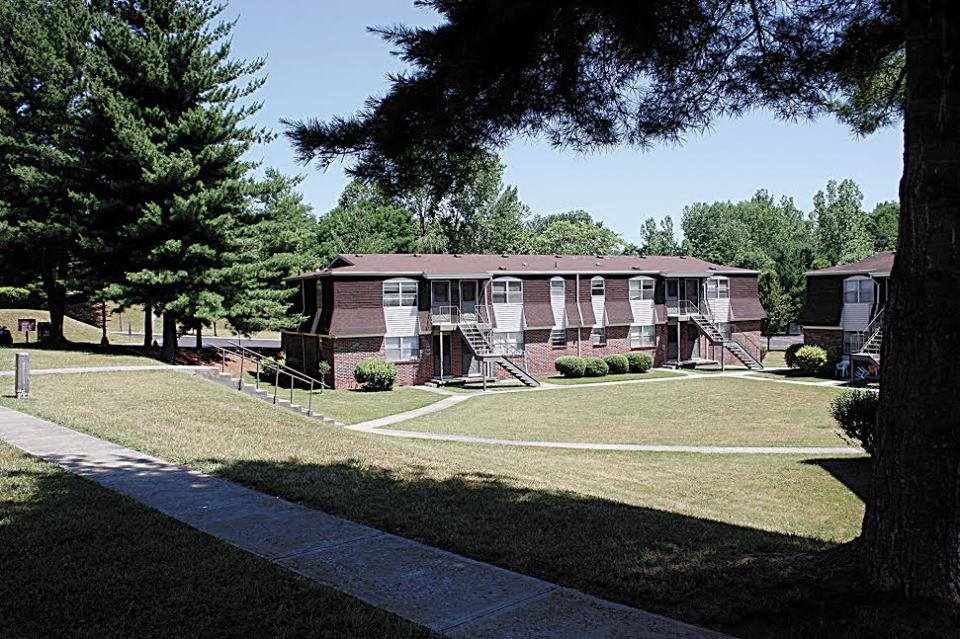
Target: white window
{"x":508,"y":292}
{"x":507,"y":343}
{"x":718,"y":288}
{"x":642,"y":336}
{"x":598,"y":336}
{"x":858,"y":291}
{"x":641,"y":288}
{"x":399,"y":293}
{"x":596,"y":287}
{"x":558,"y":338}
{"x":556,"y":287}
{"x":402,"y":349}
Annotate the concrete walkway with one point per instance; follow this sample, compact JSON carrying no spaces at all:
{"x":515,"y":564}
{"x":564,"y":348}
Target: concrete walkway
{"x":454,"y":595}
{"x":110,"y":369}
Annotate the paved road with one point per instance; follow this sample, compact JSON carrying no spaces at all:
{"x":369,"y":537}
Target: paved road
{"x":781,"y":342}
{"x":189,"y":341}
{"x":449,"y":593}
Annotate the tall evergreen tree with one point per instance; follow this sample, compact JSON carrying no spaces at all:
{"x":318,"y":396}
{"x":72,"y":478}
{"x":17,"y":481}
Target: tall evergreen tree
{"x":42,"y":59}
{"x":841,"y":224}
{"x":167,"y":137}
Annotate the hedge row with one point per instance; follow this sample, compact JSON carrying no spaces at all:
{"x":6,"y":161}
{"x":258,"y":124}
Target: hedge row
{"x":635,"y":362}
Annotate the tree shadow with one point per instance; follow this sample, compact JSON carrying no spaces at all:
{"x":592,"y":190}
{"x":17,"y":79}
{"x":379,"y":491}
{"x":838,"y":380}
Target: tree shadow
{"x":852,"y":472}
{"x":740,"y":580}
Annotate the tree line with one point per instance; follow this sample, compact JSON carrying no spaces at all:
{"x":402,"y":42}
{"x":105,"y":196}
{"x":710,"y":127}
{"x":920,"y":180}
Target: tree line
{"x":124,"y":129}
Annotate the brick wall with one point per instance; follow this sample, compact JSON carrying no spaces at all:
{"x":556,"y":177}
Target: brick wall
{"x":828,"y":339}
{"x":541,"y":354}
{"x":349,"y":351}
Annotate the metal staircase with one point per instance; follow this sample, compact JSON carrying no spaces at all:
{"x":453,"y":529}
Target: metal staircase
{"x":702,"y":318}
{"x":477,"y":335}
{"x":874,"y":338}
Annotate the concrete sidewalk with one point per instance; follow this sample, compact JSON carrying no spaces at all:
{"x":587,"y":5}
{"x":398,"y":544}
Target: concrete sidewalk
{"x":455,"y":595}
{"x":79,"y":370}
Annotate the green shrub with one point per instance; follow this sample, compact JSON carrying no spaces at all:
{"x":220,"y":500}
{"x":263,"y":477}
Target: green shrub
{"x":375,"y":375}
{"x":856,"y":414}
{"x":640,"y":362}
{"x":12,"y":296}
{"x":570,"y":366}
{"x":595,"y":367}
{"x":788,"y":355}
{"x":324,"y":368}
{"x":618,"y":364}
{"x":811,"y":360}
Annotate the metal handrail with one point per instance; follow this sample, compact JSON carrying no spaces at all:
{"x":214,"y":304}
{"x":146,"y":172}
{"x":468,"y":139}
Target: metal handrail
{"x":257,"y":358}
{"x":753,"y":348}
{"x":451,"y":313}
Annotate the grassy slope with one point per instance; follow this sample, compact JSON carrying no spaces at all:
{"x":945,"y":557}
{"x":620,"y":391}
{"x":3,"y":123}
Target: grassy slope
{"x":710,"y":411}
{"x":353,"y":407}
{"x":49,"y":358}
{"x":739,"y":543}
{"x":81,"y":561}
{"x":73,"y":330}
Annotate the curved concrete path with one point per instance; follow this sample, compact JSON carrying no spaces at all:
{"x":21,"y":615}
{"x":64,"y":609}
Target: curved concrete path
{"x":377,"y":426}
{"x":454,"y":595}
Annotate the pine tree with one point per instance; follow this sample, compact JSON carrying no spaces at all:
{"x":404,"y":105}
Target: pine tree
{"x":42,"y":57}
{"x":166,"y":140}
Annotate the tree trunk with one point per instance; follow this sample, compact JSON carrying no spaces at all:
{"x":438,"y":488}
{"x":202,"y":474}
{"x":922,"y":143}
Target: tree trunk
{"x":199,"y":337}
{"x":147,"y":326}
{"x":57,"y":306}
{"x":169,"y":353}
{"x":911,"y":533}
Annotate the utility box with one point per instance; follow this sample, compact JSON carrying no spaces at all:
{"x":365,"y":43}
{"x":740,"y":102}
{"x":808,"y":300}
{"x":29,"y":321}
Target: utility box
{"x":21,"y":384}
{"x":44,"y":331}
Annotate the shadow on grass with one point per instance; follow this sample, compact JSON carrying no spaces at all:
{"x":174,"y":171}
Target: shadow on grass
{"x":740,"y":580}
{"x":852,"y":472}
{"x":80,"y":561}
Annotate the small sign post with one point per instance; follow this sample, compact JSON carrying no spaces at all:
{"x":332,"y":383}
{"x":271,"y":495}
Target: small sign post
{"x":21,"y":384}
{"x":25,"y":326}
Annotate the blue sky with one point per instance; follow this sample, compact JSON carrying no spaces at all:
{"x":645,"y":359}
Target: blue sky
{"x":321,"y":62}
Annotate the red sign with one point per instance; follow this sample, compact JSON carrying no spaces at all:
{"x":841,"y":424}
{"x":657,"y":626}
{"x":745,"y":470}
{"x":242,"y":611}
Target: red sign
{"x":25,"y":325}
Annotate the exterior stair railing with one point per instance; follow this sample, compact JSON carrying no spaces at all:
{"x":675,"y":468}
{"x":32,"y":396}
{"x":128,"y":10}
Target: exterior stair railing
{"x":743,"y":348}
{"x":252,"y":361}
{"x":872,"y":338}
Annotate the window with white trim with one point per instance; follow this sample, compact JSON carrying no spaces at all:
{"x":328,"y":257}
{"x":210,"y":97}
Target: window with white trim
{"x":558,"y":338}
{"x":641,"y":288}
{"x":597,"y":288}
{"x":598,"y":336}
{"x":557,"y":287}
{"x":718,"y":288}
{"x":399,"y":293}
{"x":643,"y":336}
{"x":507,"y":292}
{"x":858,"y":291}
{"x":507,"y":343}
{"x":402,"y":349}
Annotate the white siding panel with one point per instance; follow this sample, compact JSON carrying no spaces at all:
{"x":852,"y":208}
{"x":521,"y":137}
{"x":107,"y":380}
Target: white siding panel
{"x":401,"y":321}
{"x":509,"y":317}
{"x":855,"y":317}
{"x":721,"y":310}
{"x":599,"y":310}
{"x":558,"y":305}
{"x":644,"y":312}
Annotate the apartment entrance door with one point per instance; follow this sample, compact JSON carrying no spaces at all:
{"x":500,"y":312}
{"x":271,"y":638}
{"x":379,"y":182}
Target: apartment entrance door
{"x":468,"y":300}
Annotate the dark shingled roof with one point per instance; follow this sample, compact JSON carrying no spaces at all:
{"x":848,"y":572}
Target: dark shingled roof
{"x":881,"y":263}
{"x":454,"y":265}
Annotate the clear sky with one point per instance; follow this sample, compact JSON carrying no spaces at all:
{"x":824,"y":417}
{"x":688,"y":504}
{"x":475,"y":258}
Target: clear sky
{"x":321,"y":62}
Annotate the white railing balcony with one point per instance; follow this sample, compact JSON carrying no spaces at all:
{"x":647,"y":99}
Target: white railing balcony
{"x":446,"y":315}
{"x":676,"y":308}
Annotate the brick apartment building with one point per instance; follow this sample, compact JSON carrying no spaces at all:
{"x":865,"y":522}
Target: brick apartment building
{"x":844,"y":308}
{"x":453,"y":318}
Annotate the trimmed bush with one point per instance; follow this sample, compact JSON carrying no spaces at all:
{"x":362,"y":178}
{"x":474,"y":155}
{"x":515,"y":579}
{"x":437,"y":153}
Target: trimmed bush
{"x":788,"y":355}
{"x":856,"y":414}
{"x":595,"y":367}
{"x":618,"y":364}
{"x":639,"y":361}
{"x":811,"y":360}
{"x":375,"y":375}
{"x":570,"y":366}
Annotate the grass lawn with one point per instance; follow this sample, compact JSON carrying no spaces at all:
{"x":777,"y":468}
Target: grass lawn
{"x":775,"y":359}
{"x":353,"y":407}
{"x":745,"y":544}
{"x":77,"y":358}
{"x":652,"y":374}
{"x":712,"y":411}
{"x":81,"y":561}
{"x":73,"y":330}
